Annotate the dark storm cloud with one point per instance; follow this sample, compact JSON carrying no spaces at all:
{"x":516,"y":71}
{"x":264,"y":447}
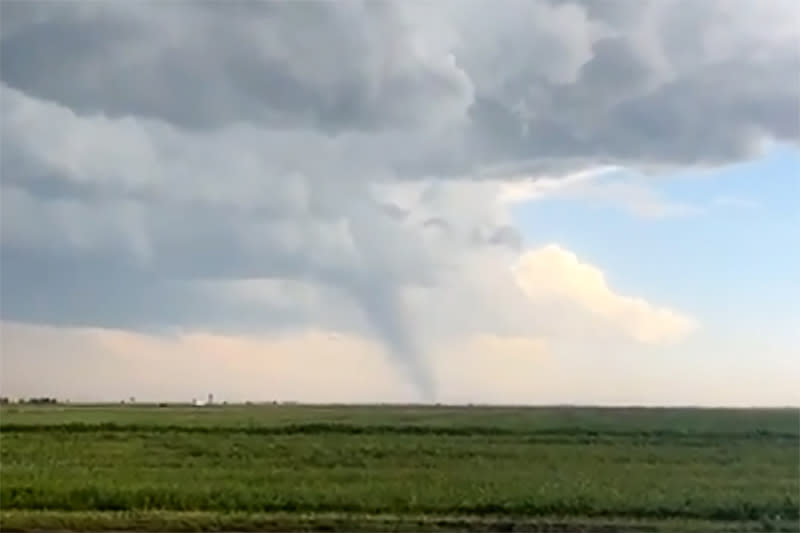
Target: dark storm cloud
{"x":76,"y":290}
{"x":200,"y":65}
{"x":607,"y":81}
{"x":149,"y":148}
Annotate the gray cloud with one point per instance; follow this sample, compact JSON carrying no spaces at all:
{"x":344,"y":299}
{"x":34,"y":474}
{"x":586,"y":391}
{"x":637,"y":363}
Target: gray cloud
{"x":535,"y":80}
{"x":150,"y":148}
{"x":436,"y":223}
{"x":505,"y":236}
{"x":200,"y":65}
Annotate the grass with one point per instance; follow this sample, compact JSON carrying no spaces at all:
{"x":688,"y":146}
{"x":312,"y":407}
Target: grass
{"x":398,"y":468}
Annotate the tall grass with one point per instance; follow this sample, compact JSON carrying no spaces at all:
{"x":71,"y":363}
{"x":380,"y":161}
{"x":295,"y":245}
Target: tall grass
{"x":659,"y":465}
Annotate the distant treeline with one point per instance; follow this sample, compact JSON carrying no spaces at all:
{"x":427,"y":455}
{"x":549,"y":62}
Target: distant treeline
{"x":37,"y":401}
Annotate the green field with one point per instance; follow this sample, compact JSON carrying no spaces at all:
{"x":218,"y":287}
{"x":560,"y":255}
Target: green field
{"x":398,"y":468}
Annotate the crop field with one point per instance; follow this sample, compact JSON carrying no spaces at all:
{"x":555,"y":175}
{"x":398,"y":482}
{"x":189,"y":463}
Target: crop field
{"x":289,"y":468}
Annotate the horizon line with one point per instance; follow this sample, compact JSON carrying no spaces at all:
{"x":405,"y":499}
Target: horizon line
{"x":433,"y":405}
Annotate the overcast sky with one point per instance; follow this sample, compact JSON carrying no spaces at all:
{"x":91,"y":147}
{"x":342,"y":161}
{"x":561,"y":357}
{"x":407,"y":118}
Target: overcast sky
{"x":534,"y":201}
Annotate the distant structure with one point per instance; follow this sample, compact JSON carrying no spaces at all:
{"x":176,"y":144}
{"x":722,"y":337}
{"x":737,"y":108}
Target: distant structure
{"x":210,"y":398}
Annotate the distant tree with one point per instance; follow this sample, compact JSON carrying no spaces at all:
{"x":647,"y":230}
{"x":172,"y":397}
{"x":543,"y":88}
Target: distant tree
{"x":40,"y":401}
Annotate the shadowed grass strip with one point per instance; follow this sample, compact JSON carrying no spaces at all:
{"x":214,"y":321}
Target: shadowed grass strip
{"x":246,"y":499}
{"x":180,"y":522}
{"x":406,"y":429}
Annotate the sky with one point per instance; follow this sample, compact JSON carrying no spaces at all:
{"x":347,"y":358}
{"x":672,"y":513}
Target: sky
{"x":559,"y":202}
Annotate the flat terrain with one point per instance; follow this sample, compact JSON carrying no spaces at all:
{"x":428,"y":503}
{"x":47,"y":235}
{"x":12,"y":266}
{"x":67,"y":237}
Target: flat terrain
{"x":329,"y":468}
